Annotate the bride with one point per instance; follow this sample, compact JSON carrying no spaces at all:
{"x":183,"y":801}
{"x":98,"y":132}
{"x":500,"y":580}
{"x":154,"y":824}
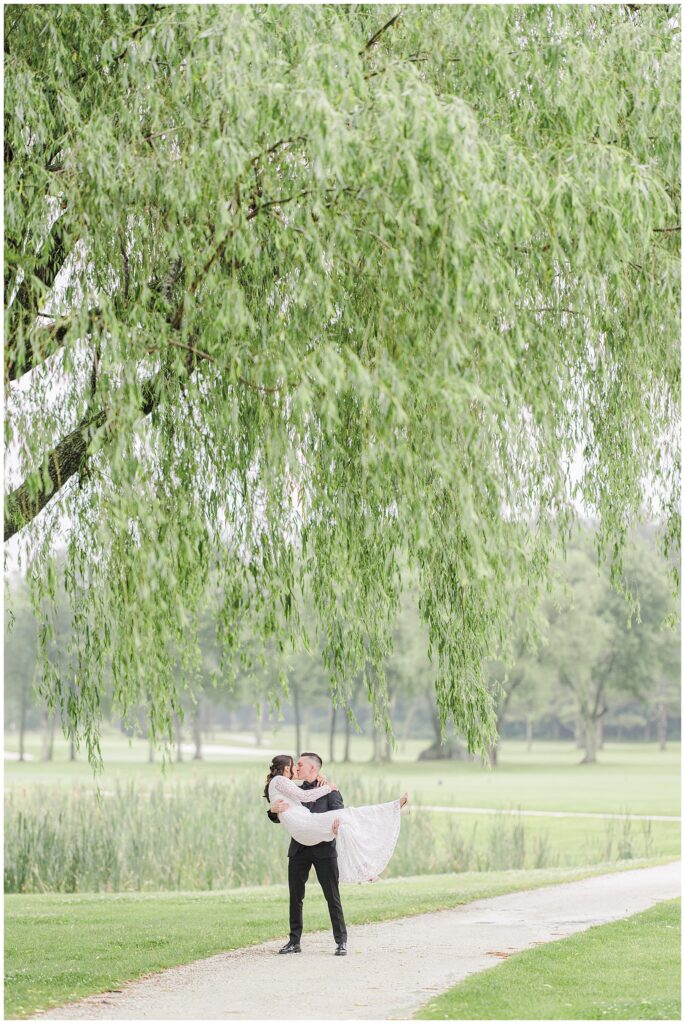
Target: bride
{"x":366,"y":835}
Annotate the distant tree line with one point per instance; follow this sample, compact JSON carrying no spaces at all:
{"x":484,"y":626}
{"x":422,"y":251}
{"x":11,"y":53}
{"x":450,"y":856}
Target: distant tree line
{"x":589,"y":669}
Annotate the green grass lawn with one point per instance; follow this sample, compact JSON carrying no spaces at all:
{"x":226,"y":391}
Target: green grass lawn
{"x":59,"y":948}
{"x":629,"y":777}
{"x":62,"y":947}
{"x":628,"y":970}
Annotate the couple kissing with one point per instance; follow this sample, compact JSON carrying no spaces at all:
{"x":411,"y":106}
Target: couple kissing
{"x":343,"y":844}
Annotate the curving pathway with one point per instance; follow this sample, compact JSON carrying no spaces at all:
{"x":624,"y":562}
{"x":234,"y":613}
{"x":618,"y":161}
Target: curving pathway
{"x":392,"y":969}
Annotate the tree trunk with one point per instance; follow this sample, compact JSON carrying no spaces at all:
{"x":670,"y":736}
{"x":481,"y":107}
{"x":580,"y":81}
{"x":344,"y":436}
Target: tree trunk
{"x":529,"y":732}
{"x":406,"y":728}
{"x":22,"y":723}
{"x":556,"y":729}
{"x":661,"y":725}
{"x":51,"y":747}
{"x":197,"y":731}
{"x":348,"y":739}
{"x":387,"y":743}
{"x":306,"y":722}
{"x":259,"y":725}
{"x":600,"y":734}
{"x":179,"y":737}
{"x":579,"y":729}
{"x":49,"y":736}
{"x":72,"y":739}
{"x":150,"y":750}
{"x":591,"y":737}
{"x":334,"y":715}
{"x":298,"y":723}
{"x":492,"y":755}
{"x":435,"y":720}
{"x":376,"y":756}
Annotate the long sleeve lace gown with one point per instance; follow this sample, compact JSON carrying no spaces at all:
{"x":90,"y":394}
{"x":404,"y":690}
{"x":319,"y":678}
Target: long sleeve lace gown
{"x":366,"y":838}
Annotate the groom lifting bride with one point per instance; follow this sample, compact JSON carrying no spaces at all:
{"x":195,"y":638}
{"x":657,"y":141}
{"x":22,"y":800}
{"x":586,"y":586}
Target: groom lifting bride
{"x":323,"y":855}
{"x":314,"y":815}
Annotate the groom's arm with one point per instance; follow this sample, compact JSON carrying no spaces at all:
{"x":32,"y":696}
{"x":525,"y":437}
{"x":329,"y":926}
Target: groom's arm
{"x":335,"y":800}
{"x":273,"y":816}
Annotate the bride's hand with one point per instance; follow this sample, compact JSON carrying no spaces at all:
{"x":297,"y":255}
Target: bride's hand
{"x":321,"y":780}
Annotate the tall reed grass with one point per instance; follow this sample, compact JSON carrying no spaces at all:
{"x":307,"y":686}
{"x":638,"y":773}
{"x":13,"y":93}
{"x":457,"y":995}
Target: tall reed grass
{"x":216,"y":835}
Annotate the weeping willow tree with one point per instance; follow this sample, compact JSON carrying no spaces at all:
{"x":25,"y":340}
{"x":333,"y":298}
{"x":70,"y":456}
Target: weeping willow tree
{"x":300,"y":298}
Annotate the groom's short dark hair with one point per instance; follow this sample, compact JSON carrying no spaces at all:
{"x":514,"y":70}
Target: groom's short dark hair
{"x":313,"y":757}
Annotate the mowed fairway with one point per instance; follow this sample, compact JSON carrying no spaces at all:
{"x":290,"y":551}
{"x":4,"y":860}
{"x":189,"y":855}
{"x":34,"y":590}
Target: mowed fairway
{"x":633,"y":778}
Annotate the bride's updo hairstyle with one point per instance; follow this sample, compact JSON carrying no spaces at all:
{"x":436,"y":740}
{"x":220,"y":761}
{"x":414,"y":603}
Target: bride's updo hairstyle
{"x":277,"y":767}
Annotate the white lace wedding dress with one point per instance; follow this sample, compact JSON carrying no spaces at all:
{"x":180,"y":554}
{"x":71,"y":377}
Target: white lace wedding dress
{"x":366,"y":838}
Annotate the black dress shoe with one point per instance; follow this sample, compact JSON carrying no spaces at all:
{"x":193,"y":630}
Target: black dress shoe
{"x":291,"y":947}
{"x":341,"y":949}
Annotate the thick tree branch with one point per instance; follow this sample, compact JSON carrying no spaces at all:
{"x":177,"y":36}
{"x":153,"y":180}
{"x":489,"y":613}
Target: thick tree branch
{"x":59,"y":244}
{"x":46,"y":341}
{"x":204,"y":356}
{"x":25,"y":502}
{"x":376,"y":36}
{"x":49,"y":339}
{"x":502,"y":710}
{"x":151,"y":10}
{"x":549,"y":309}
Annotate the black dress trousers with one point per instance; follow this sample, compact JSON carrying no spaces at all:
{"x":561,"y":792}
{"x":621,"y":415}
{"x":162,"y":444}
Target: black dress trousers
{"x":299,"y":866}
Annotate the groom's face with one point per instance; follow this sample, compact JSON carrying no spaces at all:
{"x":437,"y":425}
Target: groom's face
{"x":305,"y":770}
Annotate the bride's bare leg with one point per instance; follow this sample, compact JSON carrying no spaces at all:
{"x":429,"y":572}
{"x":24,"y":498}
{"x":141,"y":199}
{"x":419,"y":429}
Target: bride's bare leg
{"x":335,"y":826}
{"x":404,"y":799}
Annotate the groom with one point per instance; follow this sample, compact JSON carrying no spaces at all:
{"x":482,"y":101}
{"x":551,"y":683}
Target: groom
{"x":323,"y":856}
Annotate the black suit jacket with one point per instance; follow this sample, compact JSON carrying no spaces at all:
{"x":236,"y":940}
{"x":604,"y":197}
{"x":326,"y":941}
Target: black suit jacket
{"x":329,"y":802}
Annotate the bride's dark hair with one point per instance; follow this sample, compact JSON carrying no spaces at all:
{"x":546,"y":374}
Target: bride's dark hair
{"x":277,"y":767}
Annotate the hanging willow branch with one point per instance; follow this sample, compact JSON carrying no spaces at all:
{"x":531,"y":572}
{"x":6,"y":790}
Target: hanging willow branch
{"x":345,"y":222}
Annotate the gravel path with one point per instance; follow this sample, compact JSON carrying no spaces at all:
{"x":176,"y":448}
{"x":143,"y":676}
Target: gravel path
{"x":392,"y":968}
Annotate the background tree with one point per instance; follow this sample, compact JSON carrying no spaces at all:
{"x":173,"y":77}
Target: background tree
{"x":596,"y":649}
{"x":27,"y":704}
{"x":19,"y":675}
{"x":298,"y":295}
{"x":663,"y":702}
{"x":522,"y":691}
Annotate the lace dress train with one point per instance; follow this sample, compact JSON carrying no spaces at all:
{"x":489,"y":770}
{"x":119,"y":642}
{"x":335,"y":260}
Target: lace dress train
{"x":366,"y":838}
